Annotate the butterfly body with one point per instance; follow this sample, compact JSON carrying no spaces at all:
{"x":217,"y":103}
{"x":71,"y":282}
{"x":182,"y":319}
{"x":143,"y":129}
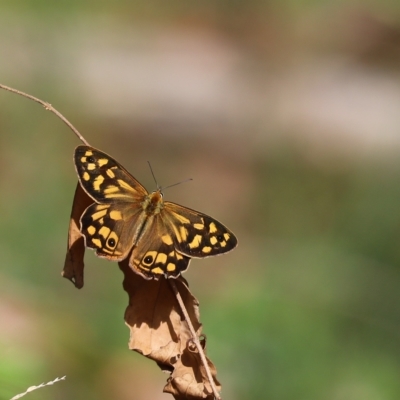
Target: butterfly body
{"x":125,"y":221}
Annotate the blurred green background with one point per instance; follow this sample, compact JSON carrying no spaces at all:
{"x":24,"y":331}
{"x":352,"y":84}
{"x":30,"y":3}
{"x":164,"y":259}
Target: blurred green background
{"x":286,"y":115}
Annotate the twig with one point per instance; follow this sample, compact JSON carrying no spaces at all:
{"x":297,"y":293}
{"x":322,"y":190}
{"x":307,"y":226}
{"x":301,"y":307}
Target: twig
{"x":195,"y":339}
{"x":32,"y":388}
{"x":49,"y":107}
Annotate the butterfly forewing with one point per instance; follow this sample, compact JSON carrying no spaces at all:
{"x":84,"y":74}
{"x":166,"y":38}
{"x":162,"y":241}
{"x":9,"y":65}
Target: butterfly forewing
{"x":104,"y":179}
{"x":197,"y":234}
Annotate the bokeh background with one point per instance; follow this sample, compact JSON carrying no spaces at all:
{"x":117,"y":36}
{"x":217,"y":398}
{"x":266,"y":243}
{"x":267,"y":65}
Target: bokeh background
{"x":287,"y":116}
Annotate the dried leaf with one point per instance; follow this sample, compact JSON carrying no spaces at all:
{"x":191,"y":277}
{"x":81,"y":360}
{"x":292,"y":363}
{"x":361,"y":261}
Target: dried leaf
{"x":189,"y":378}
{"x":73,"y":266}
{"x":159,"y":332}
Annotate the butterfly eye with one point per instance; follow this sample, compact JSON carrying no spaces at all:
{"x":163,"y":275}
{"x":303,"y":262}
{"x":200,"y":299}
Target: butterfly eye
{"x":220,"y":238}
{"x":91,"y":159}
{"x":111,"y":242}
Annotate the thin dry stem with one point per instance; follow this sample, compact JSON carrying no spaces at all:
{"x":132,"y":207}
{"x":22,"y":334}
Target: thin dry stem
{"x":32,"y":388}
{"x":49,"y":107}
{"x":195,"y":339}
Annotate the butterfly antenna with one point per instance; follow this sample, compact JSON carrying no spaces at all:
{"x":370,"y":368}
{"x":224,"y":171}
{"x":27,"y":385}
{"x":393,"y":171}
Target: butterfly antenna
{"x":154,"y":177}
{"x":186,"y":180}
{"x":166,"y":187}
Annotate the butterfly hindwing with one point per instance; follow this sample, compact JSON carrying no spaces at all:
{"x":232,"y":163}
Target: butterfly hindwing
{"x":109,"y":229}
{"x":197,"y":234}
{"x":104,"y":179}
{"x":156,"y":256}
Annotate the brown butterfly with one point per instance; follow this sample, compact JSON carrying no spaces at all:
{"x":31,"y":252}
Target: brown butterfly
{"x":158,"y":236}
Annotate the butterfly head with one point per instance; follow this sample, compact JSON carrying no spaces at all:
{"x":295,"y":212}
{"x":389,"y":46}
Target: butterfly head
{"x":156,"y":197}
{"x":153,"y":202}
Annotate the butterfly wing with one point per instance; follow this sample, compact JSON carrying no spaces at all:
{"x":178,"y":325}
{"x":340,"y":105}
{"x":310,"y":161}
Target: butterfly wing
{"x":111,"y":225}
{"x":155,"y":255}
{"x":111,"y":229}
{"x":196,"y":234}
{"x":104,"y":179}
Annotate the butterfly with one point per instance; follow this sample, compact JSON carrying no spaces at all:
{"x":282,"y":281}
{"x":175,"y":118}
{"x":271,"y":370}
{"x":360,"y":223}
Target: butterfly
{"x":125,"y":220}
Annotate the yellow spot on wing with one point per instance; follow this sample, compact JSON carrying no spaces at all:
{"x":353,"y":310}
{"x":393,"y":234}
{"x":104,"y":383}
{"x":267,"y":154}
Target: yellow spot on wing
{"x":111,"y":189}
{"x":213,"y":240}
{"x":91,"y":166}
{"x":227,"y":236}
{"x":83,"y":159}
{"x":213,"y":228}
{"x":183,"y":232}
{"x":98,"y":214}
{"x":181,"y":218}
{"x":102,"y":161}
{"x":85,"y":176}
{"x":177,"y":234}
{"x":97,"y":182}
{"x":206,"y":249}
{"x":91,"y":230}
{"x":110,"y":173}
{"x":123,"y":184}
{"x":161,"y":258}
{"x":97,"y":243}
{"x":157,"y":270}
{"x":167,"y":239}
{"x":195,"y":243}
{"x":115,"y":215}
{"x":200,"y":227}
{"x":171,"y":267}
{"x":89,"y":153}
{"x":104,"y":231}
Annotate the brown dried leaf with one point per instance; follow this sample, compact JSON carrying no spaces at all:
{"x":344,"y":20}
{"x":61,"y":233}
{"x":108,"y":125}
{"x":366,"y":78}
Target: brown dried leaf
{"x":158,"y":331}
{"x":189,"y":378}
{"x":73,"y":266}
